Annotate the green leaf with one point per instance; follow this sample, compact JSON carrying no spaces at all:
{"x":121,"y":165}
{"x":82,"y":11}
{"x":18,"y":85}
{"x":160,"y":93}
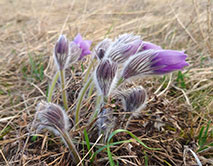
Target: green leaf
{"x":146,"y":159}
{"x":110,"y":156}
{"x":200,"y":136}
{"x":33,"y":139}
{"x":104,"y":147}
{"x":131,"y":134}
{"x":180,"y":80}
{"x":82,"y":68}
{"x":87,"y":141}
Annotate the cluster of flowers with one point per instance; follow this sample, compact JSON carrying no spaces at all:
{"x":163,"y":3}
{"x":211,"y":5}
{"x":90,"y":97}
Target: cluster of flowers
{"x":125,"y":58}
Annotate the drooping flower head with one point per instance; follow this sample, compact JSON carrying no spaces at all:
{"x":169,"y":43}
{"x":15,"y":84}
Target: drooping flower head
{"x":61,"y":52}
{"x":84,"y":45}
{"x":105,"y":76}
{"x":154,"y":62}
{"x":133,"y":99}
{"x":101,"y":48}
{"x":51,"y":117}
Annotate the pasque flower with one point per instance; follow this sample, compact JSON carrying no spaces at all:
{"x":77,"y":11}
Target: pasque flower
{"x":154,"y":62}
{"x":105,"y":76}
{"x":68,"y":52}
{"x":83,"y":44}
{"x":127,"y":45}
{"x":61,"y":52}
{"x":52,"y":117}
{"x":168,"y":60}
{"x":133,"y":99}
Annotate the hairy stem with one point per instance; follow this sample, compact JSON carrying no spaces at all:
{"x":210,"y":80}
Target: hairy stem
{"x":91,"y":90}
{"x":89,"y":69}
{"x":64,"y":95}
{"x":97,"y":108}
{"x":51,"y":88}
{"x":76,"y":157}
{"x":79,"y":101}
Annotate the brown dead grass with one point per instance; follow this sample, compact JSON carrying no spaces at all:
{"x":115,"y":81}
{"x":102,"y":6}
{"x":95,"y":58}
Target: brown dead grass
{"x":32,"y":27}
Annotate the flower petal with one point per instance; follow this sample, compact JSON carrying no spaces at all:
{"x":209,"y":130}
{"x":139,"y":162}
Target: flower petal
{"x":78,"y":39}
{"x":148,"y":46}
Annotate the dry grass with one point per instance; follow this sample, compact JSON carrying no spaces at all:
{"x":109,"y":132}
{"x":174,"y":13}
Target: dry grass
{"x":32,"y":27}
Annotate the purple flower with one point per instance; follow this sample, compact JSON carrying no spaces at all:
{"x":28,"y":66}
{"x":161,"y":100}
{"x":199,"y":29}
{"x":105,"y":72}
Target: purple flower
{"x":52,"y":117}
{"x":168,"y":60}
{"x":84,"y":45}
{"x":61,"y":52}
{"x":105,"y":76}
{"x":148,"y":46}
{"x":127,"y":45}
{"x":154,"y":62}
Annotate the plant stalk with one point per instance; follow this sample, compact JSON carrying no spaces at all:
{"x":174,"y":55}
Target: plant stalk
{"x":64,"y":95}
{"x":91,"y":90}
{"x":71,"y":146}
{"x":97,"y":108}
{"x":51,"y":88}
{"x":89,"y":69}
{"x":79,"y":101}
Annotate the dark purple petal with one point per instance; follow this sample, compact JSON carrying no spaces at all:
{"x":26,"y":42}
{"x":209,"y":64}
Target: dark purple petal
{"x":62,"y":45}
{"x":61,"y":53}
{"x":148,"y":46}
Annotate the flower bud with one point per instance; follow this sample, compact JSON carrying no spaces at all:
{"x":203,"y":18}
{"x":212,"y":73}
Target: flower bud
{"x":105,"y":76}
{"x":51,"y":117}
{"x":61,"y":53}
{"x":133,"y":99}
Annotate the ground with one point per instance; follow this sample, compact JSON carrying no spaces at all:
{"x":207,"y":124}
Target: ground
{"x":182,"y":102}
